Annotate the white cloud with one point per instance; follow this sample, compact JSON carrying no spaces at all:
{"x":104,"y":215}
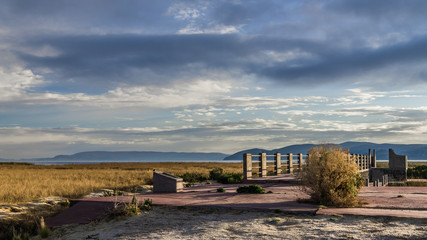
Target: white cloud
{"x":16,"y":81}
{"x":199,"y":92}
{"x":187,"y":11}
{"x":210,"y":29}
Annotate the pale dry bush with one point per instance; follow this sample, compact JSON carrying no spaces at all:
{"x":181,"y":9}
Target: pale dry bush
{"x":23,"y":183}
{"x":329,"y":178}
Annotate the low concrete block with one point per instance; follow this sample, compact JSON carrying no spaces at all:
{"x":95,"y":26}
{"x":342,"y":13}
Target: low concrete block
{"x":166,"y":183}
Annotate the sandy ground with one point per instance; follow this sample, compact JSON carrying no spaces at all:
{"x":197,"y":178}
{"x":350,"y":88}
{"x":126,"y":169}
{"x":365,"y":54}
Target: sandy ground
{"x":182,"y":223}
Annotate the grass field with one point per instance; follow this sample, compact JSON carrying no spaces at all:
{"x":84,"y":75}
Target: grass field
{"x":23,"y":183}
{"x":410,"y":164}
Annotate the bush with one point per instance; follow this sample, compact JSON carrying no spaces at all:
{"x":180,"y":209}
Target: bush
{"x":250,"y":189}
{"x":225,"y":178}
{"x":329,"y":178}
{"x":132,"y":208}
{"x":230,"y":178}
{"x":147,"y":205}
{"x":192,"y":177}
{"x":418,"y":172}
{"x":215,"y":173}
{"x":220,"y":190}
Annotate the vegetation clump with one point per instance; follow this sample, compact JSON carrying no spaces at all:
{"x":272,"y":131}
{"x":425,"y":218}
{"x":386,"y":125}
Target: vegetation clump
{"x":251,"y":189}
{"x":225,"y":178}
{"x":215,"y":173}
{"x":329,"y":178}
{"x":44,"y":231}
{"x":134,"y":207}
{"x":115,"y":192}
{"x":418,"y":172}
{"x":230,"y":178}
{"x":220,"y":190}
{"x":193,"y":177}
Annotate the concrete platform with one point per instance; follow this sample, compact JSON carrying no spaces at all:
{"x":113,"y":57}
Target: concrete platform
{"x":284,"y":198}
{"x":382,"y":201}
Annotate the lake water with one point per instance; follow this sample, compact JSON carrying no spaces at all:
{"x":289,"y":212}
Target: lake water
{"x":59,"y":162}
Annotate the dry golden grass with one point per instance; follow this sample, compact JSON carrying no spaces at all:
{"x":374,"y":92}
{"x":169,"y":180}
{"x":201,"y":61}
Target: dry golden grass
{"x":23,"y":183}
{"x":410,"y":164}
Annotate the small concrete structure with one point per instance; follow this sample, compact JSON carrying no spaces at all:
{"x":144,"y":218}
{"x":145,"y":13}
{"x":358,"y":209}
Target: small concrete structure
{"x":166,"y":183}
{"x":397,"y":170}
{"x":397,"y":162}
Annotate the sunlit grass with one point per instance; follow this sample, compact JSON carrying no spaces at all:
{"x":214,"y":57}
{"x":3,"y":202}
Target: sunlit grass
{"x":410,"y":164}
{"x":23,"y":183}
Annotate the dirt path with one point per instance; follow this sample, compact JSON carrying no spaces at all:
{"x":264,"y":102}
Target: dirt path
{"x":179,"y":223}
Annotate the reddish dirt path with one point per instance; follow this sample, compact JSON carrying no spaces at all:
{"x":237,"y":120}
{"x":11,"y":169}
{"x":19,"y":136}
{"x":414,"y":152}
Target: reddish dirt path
{"x":382,"y":201}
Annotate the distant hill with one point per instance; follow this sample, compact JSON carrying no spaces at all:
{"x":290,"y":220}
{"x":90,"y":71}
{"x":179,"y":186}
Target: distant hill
{"x":413,"y":151}
{"x":137,"y":155}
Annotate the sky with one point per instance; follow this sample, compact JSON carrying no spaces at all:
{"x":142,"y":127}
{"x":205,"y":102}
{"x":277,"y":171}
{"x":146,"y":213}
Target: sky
{"x":209,"y":76}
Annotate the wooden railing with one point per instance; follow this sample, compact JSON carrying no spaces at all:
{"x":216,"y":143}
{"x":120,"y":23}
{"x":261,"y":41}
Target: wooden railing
{"x":263,"y":165}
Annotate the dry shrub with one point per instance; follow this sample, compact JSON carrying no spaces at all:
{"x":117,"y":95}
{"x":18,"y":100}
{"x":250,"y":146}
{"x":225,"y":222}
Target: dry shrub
{"x":329,"y":178}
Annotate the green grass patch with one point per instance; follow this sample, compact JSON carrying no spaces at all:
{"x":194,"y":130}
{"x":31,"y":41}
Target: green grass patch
{"x":251,"y":189}
{"x":418,"y":172}
{"x":225,"y":178}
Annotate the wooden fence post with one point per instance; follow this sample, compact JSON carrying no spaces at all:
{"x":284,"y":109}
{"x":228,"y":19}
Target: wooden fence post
{"x":300,"y":161}
{"x":290,"y":163}
{"x":247,"y":166}
{"x":368,"y":163}
{"x":358,"y":160}
{"x":278,"y":165}
{"x":263,"y":160}
{"x":363,"y":162}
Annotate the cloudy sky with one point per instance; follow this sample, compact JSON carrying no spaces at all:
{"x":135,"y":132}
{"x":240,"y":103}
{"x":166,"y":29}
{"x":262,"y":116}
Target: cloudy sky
{"x":209,"y":76}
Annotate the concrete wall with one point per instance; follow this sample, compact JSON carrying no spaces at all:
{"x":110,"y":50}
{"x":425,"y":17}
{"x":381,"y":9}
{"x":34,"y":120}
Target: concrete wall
{"x":364,"y":174}
{"x":397,"y":170}
{"x":393,"y":174}
{"x":397,"y":162}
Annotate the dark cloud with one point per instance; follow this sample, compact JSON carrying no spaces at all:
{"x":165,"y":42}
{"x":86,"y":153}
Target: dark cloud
{"x":97,"y":52}
{"x":232,"y":13}
{"x":341,"y":63}
{"x":39,"y":17}
{"x":114,"y":59}
{"x":390,"y":9}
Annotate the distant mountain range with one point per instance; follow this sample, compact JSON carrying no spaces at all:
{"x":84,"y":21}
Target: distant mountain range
{"x":136,"y":156}
{"x":413,"y":151}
